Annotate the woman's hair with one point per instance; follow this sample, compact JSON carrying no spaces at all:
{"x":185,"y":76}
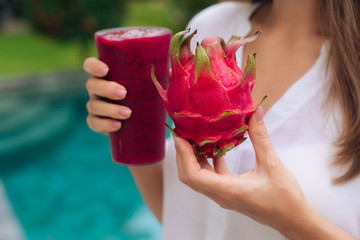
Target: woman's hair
{"x":340,"y":24}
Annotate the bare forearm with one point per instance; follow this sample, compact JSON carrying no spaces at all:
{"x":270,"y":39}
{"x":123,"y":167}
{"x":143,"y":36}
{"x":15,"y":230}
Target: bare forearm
{"x":149,"y":181}
{"x":311,"y":225}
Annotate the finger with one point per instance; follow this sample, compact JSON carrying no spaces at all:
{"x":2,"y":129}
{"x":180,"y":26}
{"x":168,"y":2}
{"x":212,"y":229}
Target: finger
{"x":95,"y":67}
{"x":106,"y":89}
{"x":179,"y":163}
{"x":204,"y":163}
{"x":105,"y":109}
{"x":102,"y":125}
{"x":220,"y":166}
{"x":192,"y":173}
{"x":259,"y":136}
{"x":186,"y":152}
{"x":202,"y":160}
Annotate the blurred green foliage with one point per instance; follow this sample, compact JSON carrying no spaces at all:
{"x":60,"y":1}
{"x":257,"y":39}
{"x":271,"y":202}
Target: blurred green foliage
{"x":188,"y":8}
{"x":79,"y":19}
{"x":73,"y":19}
{"x":69,"y":19}
{"x":69,"y":25}
{"x":153,"y":13}
{"x":28,"y":53}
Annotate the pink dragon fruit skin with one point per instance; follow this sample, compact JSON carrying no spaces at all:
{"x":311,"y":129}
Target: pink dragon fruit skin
{"x":209,"y":97}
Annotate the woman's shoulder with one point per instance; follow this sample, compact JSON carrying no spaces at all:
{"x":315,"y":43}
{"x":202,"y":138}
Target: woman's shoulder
{"x":220,"y":10}
{"x":221,"y":18}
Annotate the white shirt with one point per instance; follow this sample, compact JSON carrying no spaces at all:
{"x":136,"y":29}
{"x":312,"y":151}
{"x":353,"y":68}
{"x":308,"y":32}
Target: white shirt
{"x":302,"y":133}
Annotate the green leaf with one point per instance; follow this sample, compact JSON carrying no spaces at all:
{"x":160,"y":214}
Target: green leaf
{"x":199,"y":153}
{"x":250,"y":67}
{"x":202,"y":61}
{"x":174,"y":43}
{"x":241,"y":130}
{"x":217,"y":152}
{"x":206,"y":141}
{"x":158,"y":86}
{"x":262,"y":100}
{"x":171,"y":130}
{"x":228,"y":148}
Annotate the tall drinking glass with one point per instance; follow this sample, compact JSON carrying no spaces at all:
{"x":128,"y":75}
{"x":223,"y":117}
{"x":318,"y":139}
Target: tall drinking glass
{"x":129,"y":53}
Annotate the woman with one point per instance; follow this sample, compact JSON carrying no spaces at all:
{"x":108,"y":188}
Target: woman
{"x":300,"y":177}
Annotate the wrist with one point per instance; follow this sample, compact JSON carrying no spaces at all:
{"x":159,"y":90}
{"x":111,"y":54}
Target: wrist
{"x":298,"y":223}
{"x":309,"y":224}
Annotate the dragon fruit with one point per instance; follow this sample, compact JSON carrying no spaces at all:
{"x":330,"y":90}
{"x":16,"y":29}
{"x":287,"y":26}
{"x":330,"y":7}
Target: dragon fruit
{"x":209,"y":97}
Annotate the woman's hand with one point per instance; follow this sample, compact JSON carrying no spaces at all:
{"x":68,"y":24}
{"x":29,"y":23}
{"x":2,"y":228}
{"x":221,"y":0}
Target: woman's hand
{"x":269,"y":193}
{"x":103,"y":116}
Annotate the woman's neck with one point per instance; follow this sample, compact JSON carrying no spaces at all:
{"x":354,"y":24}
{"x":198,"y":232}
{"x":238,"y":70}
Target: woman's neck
{"x":292,"y":16}
{"x":289,"y":41}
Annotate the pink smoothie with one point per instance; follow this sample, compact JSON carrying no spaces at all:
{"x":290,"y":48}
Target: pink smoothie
{"x":129,"y":52}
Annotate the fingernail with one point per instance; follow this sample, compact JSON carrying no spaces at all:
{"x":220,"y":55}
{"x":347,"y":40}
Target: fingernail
{"x":126,"y":112}
{"x":120,"y":92}
{"x":259,"y":114}
{"x":103,"y":69}
{"x":115,"y":124}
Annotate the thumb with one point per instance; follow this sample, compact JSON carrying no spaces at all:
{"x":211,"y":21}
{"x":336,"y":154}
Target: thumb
{"x":182,"y":146}
{"x":259,"y":136}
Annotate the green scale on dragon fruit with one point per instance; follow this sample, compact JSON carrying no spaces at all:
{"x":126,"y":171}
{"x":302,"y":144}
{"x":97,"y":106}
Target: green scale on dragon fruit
{"x":209,"y":97}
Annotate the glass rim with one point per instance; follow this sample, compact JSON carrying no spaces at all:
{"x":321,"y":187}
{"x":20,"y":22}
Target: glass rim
{"x":102,"y":32}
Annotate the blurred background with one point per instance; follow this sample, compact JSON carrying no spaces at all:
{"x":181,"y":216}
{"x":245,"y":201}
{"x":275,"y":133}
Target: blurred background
{"x":57,"y":179}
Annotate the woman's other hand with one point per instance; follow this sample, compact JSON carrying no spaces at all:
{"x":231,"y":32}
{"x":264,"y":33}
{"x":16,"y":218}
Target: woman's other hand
{"x":103,"y":117}
{"x":269,"y":193}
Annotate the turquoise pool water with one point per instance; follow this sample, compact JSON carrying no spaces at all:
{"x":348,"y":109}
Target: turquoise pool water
{"x":58,"y":174}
